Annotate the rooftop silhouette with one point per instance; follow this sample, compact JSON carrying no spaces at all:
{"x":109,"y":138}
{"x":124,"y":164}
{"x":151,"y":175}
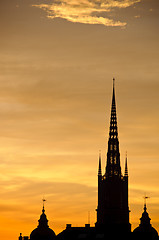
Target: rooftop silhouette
{"x":42,"y":232}
{"x":113,"y":205}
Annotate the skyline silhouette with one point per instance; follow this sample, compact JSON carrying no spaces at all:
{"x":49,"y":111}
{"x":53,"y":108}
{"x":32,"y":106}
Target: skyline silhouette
{"x":113,"y":202}
{"x":55,"y":98}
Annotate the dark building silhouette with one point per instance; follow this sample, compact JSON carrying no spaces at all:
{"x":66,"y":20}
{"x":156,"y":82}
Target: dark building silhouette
{"x":145,"y":228}
{"x":42,"y":232}
{"x":113,"y":208}
{"x":23,"y":238}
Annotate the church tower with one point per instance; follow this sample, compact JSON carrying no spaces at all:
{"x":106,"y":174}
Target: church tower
{"x":113,"y":209}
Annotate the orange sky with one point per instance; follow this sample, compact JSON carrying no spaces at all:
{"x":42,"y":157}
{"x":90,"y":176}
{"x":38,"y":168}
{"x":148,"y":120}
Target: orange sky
{"x":56,"y":68}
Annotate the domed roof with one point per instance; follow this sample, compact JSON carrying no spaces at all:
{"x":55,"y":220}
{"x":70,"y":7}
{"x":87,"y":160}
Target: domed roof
{"x":42,"y":232}
{"x":145,"y":226}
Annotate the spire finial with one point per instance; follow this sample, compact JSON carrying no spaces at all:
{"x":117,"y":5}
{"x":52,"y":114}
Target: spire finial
{"x":44,"y":200}
{"x":113,"y":86}
{"x":113,"y":82}
{"x":113,"y":98}
{"x":145,"y":199}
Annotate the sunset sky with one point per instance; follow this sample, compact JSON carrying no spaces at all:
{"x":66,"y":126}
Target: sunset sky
{"x":57,"y":62}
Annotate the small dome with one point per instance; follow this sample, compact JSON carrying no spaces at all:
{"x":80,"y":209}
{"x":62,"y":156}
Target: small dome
{"x":145,"y":227}
{"x":42,"y":232}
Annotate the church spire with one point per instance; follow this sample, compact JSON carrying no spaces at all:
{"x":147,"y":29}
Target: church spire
{"x":126,"y":166}
{"x":113,"y":133}
{"x":113,"y":120}
{"x":113,"y":156}
{"x":113,"y":208}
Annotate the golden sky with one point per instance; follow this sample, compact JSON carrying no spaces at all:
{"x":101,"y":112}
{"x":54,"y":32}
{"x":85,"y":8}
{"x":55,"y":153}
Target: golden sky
{"x":57,"y":61}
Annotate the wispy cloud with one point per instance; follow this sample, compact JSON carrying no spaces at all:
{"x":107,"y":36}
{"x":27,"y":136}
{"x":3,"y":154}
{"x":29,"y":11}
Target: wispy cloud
{"x":87,"y":11}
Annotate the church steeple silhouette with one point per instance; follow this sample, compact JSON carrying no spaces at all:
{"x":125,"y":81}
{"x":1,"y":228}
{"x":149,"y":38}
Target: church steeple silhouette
{"x":113,"y":209}
{"x":113,"y":168}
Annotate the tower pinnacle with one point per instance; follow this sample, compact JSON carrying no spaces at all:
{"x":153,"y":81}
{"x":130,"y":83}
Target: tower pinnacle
{"x":126,"y":166}
{"x":113,"y":82}
{"x":99,"y":168}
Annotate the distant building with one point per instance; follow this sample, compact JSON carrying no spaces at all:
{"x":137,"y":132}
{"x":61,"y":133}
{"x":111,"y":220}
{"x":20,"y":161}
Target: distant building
{"x":23,"y":238}
{"x":145,"y":228}
{"x":42,"y":232}
{"x":113,"y":208}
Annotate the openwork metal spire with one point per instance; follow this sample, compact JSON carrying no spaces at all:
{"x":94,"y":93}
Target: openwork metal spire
{"x":113,"y":134}
{"x":113,"y":156}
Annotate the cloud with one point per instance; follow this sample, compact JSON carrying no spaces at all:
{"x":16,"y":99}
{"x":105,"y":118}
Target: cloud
{"x":87,"y":11}
{"x":21,"y":191}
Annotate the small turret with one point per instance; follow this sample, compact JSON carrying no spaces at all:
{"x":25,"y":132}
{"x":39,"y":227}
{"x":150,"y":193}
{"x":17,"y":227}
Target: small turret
{"x":20,"y":237}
